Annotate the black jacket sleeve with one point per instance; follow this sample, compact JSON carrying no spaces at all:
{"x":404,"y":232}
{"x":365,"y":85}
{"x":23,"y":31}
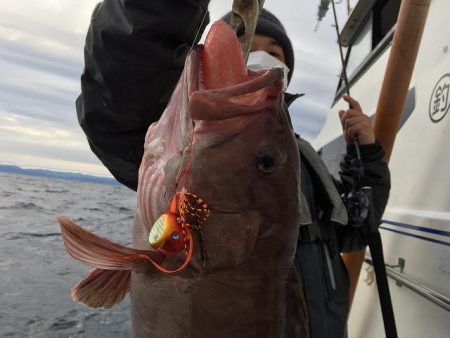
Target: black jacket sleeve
{"x":377,"y":176}
{"x":134,"y":55}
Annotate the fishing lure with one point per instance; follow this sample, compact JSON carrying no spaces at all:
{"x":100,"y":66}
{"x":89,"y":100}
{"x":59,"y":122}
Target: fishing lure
{"x":167,"y":234}
{"x":170,"y":233}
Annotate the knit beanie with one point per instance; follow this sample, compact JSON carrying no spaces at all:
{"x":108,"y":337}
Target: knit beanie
{"x":269,"y":25}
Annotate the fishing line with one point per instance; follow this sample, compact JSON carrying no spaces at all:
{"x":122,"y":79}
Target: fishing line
{"x":347,"y":89}
{"x":188,"y":163}
{"x":198,"y":30}
{"x":186,"y":170}
{"x":344,"y":68}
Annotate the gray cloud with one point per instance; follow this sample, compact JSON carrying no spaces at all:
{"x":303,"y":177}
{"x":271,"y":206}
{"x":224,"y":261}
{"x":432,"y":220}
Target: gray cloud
{"x":38,"y":60}
{"x":50,"y":96}
{"x":70,"y":154}
{"x":41,"y":60}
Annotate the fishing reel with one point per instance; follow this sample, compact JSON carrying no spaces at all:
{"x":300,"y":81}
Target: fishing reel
{"x":357,"y":203}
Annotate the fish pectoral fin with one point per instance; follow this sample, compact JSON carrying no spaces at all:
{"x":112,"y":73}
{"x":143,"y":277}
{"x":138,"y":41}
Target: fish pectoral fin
{"x":102,"y":288}
{"x":101,"y":253}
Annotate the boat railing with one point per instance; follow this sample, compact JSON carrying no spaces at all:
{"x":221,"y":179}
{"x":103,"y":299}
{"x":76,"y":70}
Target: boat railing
{"x":403,"y":280}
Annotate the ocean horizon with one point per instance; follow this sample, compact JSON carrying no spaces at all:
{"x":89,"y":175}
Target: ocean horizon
{"x":57,"y":173}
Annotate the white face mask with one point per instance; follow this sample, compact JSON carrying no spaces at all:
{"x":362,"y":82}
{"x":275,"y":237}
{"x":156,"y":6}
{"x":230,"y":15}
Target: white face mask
{"x":261,"y":60}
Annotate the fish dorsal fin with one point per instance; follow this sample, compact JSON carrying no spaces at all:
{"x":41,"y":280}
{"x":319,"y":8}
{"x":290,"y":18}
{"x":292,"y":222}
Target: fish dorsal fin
{"x":222,"y":62}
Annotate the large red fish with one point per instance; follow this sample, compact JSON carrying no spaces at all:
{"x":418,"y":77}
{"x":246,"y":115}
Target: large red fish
{"x":221,"y":167}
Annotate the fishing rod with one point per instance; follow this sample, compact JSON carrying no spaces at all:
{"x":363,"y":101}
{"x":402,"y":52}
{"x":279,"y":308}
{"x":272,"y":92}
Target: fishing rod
{"x":341,"y":53}
{"x":358,"y":163}
{"x":359,"y":204}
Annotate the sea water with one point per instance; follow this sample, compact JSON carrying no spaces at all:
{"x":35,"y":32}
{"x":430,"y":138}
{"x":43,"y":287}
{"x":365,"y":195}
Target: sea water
{"x":36,"y":273}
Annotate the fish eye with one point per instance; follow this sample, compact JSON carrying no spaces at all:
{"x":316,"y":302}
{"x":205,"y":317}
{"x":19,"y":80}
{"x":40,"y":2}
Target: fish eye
{"x":268,"y":160}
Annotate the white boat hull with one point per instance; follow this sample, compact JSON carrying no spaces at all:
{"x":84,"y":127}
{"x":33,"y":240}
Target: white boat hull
{"x":416,"y":224}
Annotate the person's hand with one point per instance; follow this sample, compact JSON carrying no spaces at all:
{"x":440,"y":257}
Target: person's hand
{"x":355,"y":122}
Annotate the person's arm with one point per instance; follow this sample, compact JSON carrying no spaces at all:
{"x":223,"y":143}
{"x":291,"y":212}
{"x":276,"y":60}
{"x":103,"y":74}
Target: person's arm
{"x":134,"y":55}
{"x":376,"y":172}
{"x":352,"y":240}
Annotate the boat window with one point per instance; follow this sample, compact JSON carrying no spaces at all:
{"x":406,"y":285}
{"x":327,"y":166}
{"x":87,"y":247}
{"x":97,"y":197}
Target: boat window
{"x":369,"y":40}
{"x":384,"y":16}
{"x":360,"y":48}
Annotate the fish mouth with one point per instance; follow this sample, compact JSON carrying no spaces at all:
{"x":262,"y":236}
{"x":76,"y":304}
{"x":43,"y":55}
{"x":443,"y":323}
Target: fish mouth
{"x":221,"y":85}
{"x":256,"y":81}
{"x":262,"y":92}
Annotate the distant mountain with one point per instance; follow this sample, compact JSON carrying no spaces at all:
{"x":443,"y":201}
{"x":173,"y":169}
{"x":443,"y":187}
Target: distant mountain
{"x":66,"y":175}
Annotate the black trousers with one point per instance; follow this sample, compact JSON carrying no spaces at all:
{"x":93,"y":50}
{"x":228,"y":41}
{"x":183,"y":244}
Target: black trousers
{"x":326,"y":287}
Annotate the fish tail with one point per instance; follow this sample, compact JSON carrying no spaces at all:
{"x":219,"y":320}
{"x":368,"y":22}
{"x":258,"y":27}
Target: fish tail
{"x":102,"y":288}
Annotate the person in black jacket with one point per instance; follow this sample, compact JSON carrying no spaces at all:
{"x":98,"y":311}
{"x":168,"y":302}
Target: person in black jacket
{"x":134,"y":54}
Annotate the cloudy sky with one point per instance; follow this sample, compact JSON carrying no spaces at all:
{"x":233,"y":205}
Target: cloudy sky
{"x":41,"y":60}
